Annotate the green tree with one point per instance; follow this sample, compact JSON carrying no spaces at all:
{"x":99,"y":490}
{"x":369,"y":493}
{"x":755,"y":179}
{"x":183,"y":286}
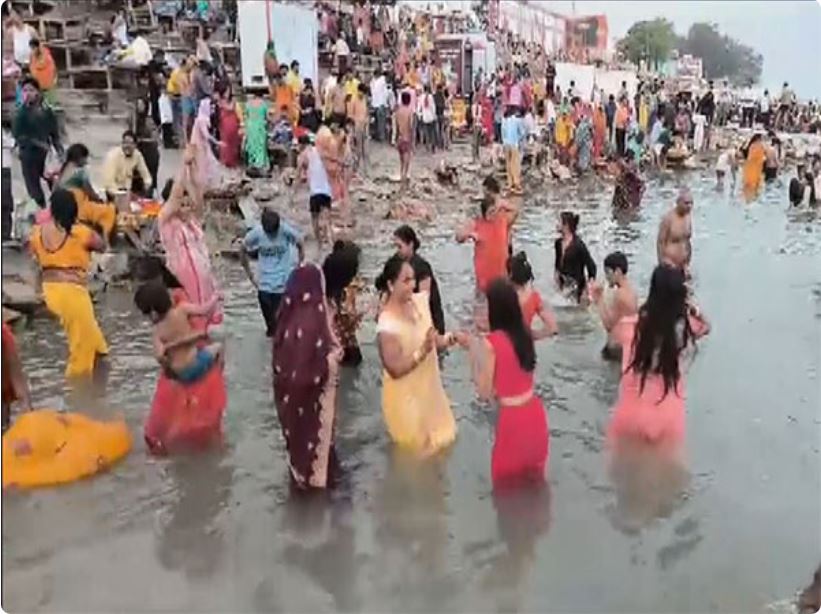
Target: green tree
{"x":722,"y":56}
{"x":651,"y":41}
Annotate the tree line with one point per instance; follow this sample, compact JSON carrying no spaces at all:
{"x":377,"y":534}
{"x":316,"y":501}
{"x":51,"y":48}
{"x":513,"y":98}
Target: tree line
{"x":722,"y":56}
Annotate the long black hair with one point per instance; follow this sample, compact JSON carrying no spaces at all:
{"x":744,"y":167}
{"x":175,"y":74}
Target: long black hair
{"x":340,"y":268}
{"x":63,"y":208}
{"x":519,"y":269}
{"x":75,"y":154}
{"x":663,"y":329}
{"x":571,"y":220}
{"x":505,"y":314}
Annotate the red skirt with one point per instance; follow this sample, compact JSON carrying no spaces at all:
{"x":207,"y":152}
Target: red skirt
{"x":186,"y":416}
{"x":521,"y":446}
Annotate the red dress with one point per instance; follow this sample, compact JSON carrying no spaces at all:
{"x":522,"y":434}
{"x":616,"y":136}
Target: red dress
{"x":229,"y":135}
{"x":521,"y":445}
{"x":186,"y":416}
{"x":532,"y":305}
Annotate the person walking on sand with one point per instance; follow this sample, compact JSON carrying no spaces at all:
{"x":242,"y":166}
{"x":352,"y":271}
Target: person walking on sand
{"x":403,"y":128}
{"x":311,"y":165}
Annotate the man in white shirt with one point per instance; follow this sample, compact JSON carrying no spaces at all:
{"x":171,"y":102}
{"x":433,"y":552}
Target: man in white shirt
{"x":764,"y":108}
{"x":342,"y":51}
{"x":379,"y":102}
{"x":7,"y":197}
{"x":427,"y":113}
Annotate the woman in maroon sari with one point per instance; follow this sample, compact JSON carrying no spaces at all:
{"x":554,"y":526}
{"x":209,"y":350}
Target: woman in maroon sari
{"x":306,"y":367}
{"x":230,"y":128}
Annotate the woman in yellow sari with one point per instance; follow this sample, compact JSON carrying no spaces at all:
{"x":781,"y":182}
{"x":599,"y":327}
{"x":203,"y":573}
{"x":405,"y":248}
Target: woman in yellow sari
{"x":416,"y":409}
{"x":91,"y":208}
{"x":63,"y":248}
{"x":754,"y":166}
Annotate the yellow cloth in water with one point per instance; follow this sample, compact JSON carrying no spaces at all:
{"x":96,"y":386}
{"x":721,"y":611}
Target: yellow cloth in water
{"x":416,"y":410}
{"x":72,"y":304}
{"x":46,"y":448}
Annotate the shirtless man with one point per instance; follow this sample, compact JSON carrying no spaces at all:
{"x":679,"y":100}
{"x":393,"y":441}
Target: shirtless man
{"x":403,"y":128}
{"x":624,"y":301}
{"x":175,"y":340}
{"x":675,"y":233}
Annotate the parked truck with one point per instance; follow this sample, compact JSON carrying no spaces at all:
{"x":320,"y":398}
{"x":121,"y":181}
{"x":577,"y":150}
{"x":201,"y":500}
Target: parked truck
{"x":292,"y":27}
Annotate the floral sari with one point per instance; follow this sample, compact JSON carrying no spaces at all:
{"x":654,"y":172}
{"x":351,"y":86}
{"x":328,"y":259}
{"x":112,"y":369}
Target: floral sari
{"x":306,"y":367}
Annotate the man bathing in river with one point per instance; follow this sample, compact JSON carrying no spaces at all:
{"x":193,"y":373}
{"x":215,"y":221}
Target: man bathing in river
{"x":622,"y":303}
{"x":175,"y":340}
{"x":674,"y":245}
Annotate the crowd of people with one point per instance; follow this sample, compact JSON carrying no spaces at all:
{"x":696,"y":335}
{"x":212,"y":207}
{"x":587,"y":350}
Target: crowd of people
{"x":313,"y":313}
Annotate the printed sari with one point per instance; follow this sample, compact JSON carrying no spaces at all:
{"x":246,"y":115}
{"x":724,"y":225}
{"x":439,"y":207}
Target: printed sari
{"x":306,"y":376}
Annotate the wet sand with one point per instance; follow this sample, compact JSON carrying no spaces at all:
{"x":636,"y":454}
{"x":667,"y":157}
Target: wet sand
{"x":223,"y":532}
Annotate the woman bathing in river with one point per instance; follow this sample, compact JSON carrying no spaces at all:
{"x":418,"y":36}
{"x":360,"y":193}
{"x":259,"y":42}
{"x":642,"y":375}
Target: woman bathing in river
{"x":530,"y":301}
{"x":415,"y":407}
{"x":502,"y":364}
{"x":572,"y":258}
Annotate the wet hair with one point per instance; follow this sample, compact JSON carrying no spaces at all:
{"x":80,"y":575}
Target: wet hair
{"x":616,"y":261}
{"x":491,"y":184}
{"x":663,"y":329}
{"x":153,"y":297}
{"x":149,"y":268}
{"x":406,"y":98}
{"x":390,"y":272}
{"x":570,"y":219}
{"x":34,"y":42}
{"x":294,"y":64}
{"x":63,"y":208}
{"x":129,"y":134}
{"x":486,"y":204}
{"x":340,"y":268}
{"x":406,"y":234}
{"x":505,"y":314}
{"x":519,"y":269}
{"x":270,"y":221}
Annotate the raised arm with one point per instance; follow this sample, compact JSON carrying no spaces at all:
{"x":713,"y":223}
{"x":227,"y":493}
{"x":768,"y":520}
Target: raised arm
{"x":172,"y":206}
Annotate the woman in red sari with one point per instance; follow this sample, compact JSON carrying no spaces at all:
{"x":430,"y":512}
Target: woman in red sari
{"x":599,"y":132}
{"x":487,"y":116}
{"x":306,"y":376}
{"x":503,"y":364}
{"x":230,"y":129}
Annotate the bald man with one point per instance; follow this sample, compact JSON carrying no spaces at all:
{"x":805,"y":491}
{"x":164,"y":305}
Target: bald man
{"x":674,"y":245}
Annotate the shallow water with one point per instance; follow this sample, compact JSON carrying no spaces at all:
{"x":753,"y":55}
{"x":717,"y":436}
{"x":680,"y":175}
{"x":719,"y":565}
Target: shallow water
{"x":223,"y":532}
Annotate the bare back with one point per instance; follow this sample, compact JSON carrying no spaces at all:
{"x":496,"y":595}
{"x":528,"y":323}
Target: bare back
{"x":404,"y":124}
{"x":173,"y":329}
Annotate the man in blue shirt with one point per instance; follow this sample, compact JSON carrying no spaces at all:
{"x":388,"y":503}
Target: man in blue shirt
{"x":280,"y":250}
{"x":513,"y":133}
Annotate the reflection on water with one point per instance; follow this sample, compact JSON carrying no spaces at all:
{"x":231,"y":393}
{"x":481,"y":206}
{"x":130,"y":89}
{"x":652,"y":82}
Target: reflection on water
{"x":223,"y":531}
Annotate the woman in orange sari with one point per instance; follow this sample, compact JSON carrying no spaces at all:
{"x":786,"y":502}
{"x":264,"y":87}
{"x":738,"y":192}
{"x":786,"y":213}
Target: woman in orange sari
{"x":754,"y":166}
{"x":63,"y":249}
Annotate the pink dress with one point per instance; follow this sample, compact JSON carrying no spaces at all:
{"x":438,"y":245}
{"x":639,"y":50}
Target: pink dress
{"x":186,"y":256}
{"x":521,"y":443}
{"x":646,"y":414}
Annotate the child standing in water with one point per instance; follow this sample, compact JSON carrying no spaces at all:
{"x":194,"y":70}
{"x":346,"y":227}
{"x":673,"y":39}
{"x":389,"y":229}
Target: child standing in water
{"x":175,"y":340}
{"x":622,"y":303}
{"x":521,"y":274}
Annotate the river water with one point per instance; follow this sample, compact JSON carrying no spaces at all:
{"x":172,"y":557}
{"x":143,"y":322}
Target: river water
{"x":223,"y":532}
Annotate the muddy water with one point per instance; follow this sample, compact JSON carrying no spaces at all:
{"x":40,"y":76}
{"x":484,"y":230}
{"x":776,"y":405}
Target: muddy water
{"x":222,"y":531}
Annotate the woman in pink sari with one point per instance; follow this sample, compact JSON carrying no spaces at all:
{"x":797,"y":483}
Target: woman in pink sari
{"x":186,"y":254}
{"x":207,"y":166}
{"x":306,"y":376}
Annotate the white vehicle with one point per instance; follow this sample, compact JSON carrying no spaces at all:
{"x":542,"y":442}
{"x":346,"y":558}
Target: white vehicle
{"x":292,"y":27}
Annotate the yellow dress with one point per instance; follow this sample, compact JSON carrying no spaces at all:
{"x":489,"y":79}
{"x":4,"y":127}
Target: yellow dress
{"x":416,"y":410}
{"x":71,"y":302}
{"x":46,"y":448}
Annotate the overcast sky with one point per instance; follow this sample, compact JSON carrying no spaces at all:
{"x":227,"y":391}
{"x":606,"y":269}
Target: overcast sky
{"x":786,"y":33}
